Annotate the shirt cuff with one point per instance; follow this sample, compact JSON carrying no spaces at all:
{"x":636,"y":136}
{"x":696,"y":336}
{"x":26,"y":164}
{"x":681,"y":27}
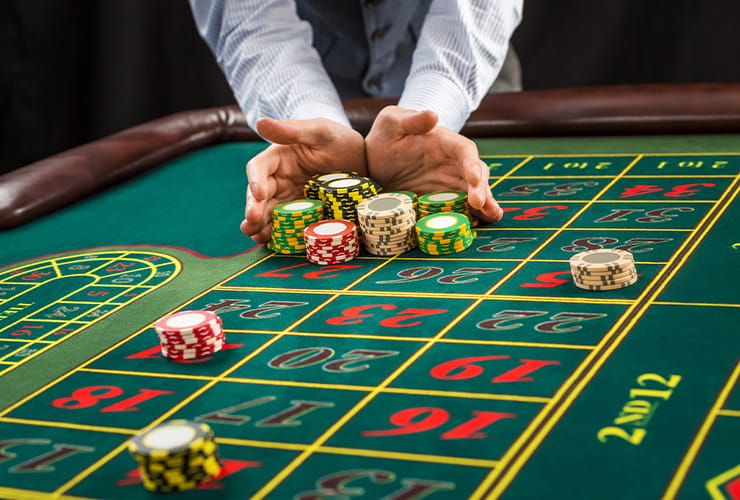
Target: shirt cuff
{"x":440,"y":95}
{"x":320,"y":110}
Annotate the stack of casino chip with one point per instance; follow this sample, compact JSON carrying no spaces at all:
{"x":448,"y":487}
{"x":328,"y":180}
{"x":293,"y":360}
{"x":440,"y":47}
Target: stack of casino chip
{"x":601,"y":270}
{"x":176,"y":455}
{"x":444,"y":233}
{"x":289,"y":220}
{"x":331,"y":242}
{"x":445,"y":201}
{"x":414,"y":199}
{"x":387,"y":223}
{"x":311,"y":188}
{"x":341,"y":196}
{"x":190,"y":334}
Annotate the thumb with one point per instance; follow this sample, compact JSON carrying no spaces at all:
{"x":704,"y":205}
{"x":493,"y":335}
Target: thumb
{"x":278,"y":131}
{"x":419,"y":122}
{"x":313,"y":133}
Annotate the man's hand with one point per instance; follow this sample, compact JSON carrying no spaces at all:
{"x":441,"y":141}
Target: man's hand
{"x":300,"y":149}
{"x":408,"y":151}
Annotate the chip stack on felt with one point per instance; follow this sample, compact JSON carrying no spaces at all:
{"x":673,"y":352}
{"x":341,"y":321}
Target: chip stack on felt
{"x":176,"y":455}
{"x":387,"y":223}
{"x":601,"y":270}
{"x":190,"y":334}
{"x":445,"y":201}
{"x":331,"y":242}
{"x":289,"y":220}
{"x":311,"y":188}
{"x":444,"y":233}
{"x":414,"y":199}
{"x":341,"y":196}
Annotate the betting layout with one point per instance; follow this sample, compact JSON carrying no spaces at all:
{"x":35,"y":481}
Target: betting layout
{"x":84,"y":289}
{"x":465,"y":375}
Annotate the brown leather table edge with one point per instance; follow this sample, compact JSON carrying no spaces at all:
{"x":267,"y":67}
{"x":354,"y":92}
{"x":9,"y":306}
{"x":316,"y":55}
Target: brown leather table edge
{"x":59,"y":180}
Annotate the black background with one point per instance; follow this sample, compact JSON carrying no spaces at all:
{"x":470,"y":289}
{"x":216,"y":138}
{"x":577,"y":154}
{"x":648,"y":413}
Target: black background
{"x":72,"y":71}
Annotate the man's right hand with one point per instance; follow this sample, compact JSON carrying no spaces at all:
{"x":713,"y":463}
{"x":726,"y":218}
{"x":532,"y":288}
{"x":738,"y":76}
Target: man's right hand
{"x":300,"y":149}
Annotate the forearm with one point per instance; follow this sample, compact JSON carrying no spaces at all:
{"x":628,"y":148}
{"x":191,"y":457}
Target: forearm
{"x":460,"y":51}
{"x":265,"y":51}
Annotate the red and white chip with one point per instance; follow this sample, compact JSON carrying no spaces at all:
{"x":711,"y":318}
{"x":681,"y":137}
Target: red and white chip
{"x":190,"y":334}
{"x":331,"y":241}
{"x":185,"y":322}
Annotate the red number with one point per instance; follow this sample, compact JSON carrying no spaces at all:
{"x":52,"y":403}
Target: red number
{"x":640,"y":189}
{"x":95,"y":294}
{"x":36,"y":275}
{"x":413,"y":420}
{"x":409,"y":314}
{"x":63,"y":331}
{"x":547,"y":280}
{"x":25,"y":330}
{"x":480,"y":420}
{"x":535,"y":213}
{"x":120,"y":266}
{"x":462,"y":368}
{"x":422,"y":419}
{"x":86,"y":397}
{"x":312,"y":275}
{"x":684,"y":190}
{"x":130,"y":403}
{"x":353,"y":315}
{"x":276,"y":273}
{"x":317,"y":275}
{"x":518,"y":374}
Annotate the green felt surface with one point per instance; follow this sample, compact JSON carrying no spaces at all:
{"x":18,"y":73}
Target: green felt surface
{"x":483,"y":374}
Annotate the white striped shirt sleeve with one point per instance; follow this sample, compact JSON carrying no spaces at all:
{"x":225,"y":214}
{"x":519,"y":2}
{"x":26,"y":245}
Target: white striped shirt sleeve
{"x":265,"y":51}
{"x":460,"y":51}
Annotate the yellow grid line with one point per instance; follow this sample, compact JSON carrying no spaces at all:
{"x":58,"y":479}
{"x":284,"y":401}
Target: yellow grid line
{"x":701,"y":435}
{"x":540,"y":229}
{"x":650,"y":292}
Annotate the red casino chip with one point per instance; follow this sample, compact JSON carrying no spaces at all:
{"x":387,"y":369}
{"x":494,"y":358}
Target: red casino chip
{"x":190,"y":334}
{"x":189,"y":322}
{"x":182,"y":354}
{"x":331,"y":242}
{"x":332,"y":229}
{"x":189,"y":343}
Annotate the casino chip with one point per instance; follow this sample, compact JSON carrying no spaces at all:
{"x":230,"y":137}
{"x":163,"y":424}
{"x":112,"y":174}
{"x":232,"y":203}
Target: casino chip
{"x":601,"y":270}
{"x":190,"y":334}
{"x":444,"y":233}
{"x":414,"y":199}
{"x":176,"y":455}
{"x":387,"y":223}
{"x":289,"y":220}
{"x":445,"y":201}
{"x":341,"y":196}
{"x":331,"y":242}
{"x":311,"y":188}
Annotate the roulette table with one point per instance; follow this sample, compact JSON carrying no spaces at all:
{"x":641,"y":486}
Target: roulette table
{"x":481,"y":374}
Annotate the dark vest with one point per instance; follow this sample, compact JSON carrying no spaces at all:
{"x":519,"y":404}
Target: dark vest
{"x":366,"y":45}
